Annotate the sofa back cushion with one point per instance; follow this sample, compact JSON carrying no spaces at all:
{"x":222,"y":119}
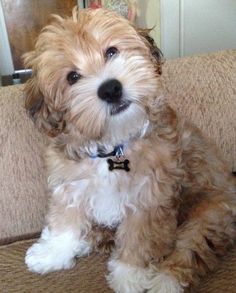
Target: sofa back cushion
{"x":203,"y":88}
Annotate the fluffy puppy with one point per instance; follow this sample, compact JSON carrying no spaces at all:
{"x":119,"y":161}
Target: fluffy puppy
{"x":121,"y":159}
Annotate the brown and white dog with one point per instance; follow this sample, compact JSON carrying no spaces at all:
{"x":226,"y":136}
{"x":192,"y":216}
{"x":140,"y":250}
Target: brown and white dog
{"x":121,"y":161}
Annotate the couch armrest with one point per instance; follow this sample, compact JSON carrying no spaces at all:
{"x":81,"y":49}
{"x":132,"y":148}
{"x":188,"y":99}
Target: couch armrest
{"x":22,"y":193}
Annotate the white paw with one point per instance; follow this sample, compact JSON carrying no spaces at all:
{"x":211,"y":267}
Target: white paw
{"x":124,"y":278}
{"x":163,"y":283}
{"x":41,"y":258}
{"x":55,"y":252}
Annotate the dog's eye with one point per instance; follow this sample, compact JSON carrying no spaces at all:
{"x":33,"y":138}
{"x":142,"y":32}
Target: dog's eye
{"x":73,"y":77}
{"x":110,"y":52}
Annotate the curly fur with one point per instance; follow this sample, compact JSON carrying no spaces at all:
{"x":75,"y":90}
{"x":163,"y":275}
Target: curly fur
{"x":173,"y":214}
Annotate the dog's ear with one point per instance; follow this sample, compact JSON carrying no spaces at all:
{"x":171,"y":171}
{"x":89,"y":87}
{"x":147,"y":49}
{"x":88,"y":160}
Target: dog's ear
{"x":44,"y":116}
{"x":156,"y":53}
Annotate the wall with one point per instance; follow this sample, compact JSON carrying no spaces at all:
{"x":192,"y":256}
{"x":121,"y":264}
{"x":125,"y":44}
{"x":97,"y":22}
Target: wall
{"x":193,"y":27}
{"x":208,"y":25}
{"x":150,"y":17}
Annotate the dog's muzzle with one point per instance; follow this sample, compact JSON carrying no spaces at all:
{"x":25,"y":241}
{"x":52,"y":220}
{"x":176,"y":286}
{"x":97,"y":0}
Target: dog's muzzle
{"x":111,"y":91}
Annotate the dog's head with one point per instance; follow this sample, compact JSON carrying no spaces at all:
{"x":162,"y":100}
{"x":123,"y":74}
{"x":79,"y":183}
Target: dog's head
{"x":92,"y":74}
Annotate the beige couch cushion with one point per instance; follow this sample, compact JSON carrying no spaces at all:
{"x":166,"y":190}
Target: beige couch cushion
{"x":201,"y":87}
{"x":22,"y":192}
{"x":88,"y":276}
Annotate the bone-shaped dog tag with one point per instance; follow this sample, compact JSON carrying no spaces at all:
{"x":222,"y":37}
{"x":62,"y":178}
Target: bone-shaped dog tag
{"x":120,"y":165}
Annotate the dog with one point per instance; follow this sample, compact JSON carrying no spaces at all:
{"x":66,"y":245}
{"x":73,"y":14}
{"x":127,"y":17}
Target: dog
{"x":126,"y":173}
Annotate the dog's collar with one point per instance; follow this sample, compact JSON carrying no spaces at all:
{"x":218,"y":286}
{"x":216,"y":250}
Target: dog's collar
{"x":118,"y":152}
{"x":118,"y":163}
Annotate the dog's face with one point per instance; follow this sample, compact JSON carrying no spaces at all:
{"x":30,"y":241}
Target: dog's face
{"x":92,"y":75}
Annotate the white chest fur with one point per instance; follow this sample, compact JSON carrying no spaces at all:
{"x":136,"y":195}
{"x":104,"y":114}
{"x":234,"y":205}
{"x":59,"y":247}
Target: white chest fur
{"x":110,"y":196}
{"x":105,"y":194}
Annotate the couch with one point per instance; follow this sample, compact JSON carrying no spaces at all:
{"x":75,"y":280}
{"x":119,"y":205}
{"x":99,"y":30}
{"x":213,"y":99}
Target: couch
{"x":203,"y":88}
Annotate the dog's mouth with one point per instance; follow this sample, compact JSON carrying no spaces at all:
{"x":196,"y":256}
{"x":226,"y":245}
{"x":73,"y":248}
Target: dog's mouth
{"x":119,"y":107}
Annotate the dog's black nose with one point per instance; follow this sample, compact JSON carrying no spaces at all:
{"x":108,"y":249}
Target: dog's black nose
{"x":110,"y":91}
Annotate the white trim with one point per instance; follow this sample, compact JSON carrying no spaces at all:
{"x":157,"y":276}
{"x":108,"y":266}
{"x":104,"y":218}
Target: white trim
{"x":6,"y":63}
{"x":181,"y":28}
{"x":171,"y":41}
{"x":80,"y":3}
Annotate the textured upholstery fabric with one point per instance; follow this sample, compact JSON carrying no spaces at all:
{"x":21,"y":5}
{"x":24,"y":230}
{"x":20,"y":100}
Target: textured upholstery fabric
{"x":22,"y":191}
{"x":203,"y":88}
{"x":88,"y":276}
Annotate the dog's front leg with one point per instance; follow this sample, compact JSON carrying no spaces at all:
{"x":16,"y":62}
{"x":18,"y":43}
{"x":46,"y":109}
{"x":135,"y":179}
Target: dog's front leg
{"x":143,"y":239}
{"x":61,"y":240}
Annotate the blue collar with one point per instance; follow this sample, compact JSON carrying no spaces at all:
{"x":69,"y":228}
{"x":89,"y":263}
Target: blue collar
{"x":117,"y":152}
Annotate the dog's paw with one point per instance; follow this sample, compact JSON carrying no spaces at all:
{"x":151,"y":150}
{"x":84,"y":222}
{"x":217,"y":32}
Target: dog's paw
{"x":55,"y":252}
{"x":41,"y":258}
{"x":163,"y":283}
{"x":124,"y":278}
